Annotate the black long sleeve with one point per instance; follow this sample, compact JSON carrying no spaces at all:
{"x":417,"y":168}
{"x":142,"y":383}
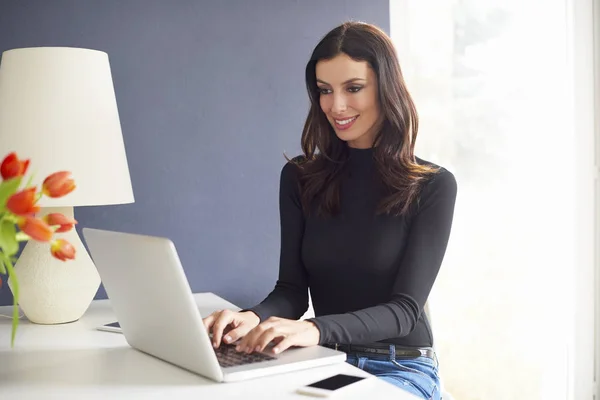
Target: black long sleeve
{"x":369,"y":276}
{"x":289,"y":299}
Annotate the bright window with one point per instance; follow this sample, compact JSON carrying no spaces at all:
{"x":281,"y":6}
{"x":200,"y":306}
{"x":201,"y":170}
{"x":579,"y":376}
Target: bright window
{"x":494,"y":84}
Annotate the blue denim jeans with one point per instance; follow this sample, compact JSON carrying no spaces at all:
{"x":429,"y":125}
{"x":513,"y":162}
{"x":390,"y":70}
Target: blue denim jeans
{"x":418,"y":376}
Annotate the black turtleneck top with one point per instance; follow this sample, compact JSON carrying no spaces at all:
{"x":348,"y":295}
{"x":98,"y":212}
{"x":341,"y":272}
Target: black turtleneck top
{"x":369,"y":275}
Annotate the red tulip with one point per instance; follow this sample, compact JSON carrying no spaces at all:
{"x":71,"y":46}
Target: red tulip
{"x":58,"y":184}
{"x":65,"y":223}
{"x":36,"y":229}
{"x":62,"y":250}
{"x":23,"y":203}
{"x":12,"y":167}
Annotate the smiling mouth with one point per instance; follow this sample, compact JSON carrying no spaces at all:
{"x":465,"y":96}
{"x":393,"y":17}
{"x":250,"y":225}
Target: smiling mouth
{"x":344,"y":123}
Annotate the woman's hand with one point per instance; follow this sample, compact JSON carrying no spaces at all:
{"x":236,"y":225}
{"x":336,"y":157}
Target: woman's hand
{"x":284,"y":333}
{"x":233,"y":324}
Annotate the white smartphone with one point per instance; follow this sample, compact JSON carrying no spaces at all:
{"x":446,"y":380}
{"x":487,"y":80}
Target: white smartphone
{"x":111,"y":327}
{"x":330,"y":386}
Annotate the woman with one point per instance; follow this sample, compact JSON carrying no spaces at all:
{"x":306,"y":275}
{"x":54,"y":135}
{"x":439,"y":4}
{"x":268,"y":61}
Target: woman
{"x":364,"y":223}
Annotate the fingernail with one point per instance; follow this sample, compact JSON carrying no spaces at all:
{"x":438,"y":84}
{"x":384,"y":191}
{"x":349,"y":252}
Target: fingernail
{"x":257,"y":348}
{"x":238,"y":347}
{"x":215,"y":344}
{"x":276,"y":350}
{"x":228,"y":339}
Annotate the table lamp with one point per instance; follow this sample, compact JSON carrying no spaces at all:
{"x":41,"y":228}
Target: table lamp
{"x":58,"y":108}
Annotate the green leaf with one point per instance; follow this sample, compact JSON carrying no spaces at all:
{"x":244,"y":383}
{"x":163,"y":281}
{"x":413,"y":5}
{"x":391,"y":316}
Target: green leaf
{"x":15,"y":289}
{"x":8,"y":238}
{"x":22,"y":237}
{"x":10,"y":217}
{"x":2,"y":268}
{"x":7,"y":189}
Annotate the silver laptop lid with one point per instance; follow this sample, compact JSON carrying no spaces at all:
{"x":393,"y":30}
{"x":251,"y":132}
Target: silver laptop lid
{"x":152,"y":299}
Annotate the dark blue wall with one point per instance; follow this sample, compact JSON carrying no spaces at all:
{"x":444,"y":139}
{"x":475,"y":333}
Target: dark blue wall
{"x":210,"y":94}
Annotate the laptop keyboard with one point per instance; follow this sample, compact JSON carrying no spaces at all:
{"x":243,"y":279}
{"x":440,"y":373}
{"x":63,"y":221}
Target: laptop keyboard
{"x":228,"y":356}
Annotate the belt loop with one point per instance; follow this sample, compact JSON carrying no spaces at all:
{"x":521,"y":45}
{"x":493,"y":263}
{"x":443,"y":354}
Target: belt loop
{"x":392,"y":352}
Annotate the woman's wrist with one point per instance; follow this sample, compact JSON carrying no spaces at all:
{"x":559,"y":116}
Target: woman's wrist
{"x":253,"y":316}
{"x":314,"y":330}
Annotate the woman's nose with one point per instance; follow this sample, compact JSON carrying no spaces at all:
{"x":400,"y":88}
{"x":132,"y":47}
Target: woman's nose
{"x":339,"y":104}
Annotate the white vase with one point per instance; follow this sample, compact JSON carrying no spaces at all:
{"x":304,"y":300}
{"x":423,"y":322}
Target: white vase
{"x":53,"y":291}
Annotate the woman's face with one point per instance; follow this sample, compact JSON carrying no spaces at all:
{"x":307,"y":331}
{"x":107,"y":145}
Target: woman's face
{"x":349,"y":99}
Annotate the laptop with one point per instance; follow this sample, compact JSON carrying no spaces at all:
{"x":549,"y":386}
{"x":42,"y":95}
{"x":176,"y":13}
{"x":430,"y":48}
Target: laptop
{"x":158,"y":314}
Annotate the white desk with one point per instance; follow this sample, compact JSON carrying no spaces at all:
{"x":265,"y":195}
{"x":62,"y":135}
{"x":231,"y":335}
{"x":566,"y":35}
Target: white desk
{"x":75,"y":361}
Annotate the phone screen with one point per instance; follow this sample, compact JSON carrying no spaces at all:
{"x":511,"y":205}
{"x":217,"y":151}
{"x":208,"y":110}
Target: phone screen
{"x":336,"y":382}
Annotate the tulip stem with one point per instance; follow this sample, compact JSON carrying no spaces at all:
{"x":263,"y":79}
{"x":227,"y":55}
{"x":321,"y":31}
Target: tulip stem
{"x":29,"y":181}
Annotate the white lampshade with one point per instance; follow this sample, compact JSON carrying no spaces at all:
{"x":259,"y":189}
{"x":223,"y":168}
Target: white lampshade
{"x":58,"y":108}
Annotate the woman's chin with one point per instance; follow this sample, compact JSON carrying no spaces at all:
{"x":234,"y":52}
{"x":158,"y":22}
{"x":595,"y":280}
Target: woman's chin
{"x":346,"y":136}
{"x":353,"y":140}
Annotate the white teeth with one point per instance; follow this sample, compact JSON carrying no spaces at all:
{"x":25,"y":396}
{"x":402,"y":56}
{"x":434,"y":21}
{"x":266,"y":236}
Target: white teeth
{"x":345,"y":121}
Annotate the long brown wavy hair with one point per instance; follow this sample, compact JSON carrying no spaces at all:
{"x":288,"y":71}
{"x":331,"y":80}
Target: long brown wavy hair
{"x":325,"y":155}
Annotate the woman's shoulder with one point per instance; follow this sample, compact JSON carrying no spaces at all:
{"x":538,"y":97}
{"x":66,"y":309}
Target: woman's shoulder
{"x":441,"y":178}
{"x":291,"y":167}
{"x":298,"y":160}
{"x":294,"y":163}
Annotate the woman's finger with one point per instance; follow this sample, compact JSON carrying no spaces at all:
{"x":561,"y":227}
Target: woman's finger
{"x":249,"y":341}
{"x":210,"y":320}
{"x":267,"y":337}
{"x":219,"y":326}
{"x":285,"y":344}
{"x":235,"y":334}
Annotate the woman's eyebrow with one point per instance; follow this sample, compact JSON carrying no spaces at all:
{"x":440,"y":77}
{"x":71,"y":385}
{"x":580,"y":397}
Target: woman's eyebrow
{"x":343,"y":83}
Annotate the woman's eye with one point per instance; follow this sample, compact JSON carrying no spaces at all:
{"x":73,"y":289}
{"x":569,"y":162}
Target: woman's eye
{"x":354,"y":89}
{"x":324,"y":91}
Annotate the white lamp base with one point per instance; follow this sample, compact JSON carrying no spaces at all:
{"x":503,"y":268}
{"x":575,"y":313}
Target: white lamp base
{"x":52,"y":291}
